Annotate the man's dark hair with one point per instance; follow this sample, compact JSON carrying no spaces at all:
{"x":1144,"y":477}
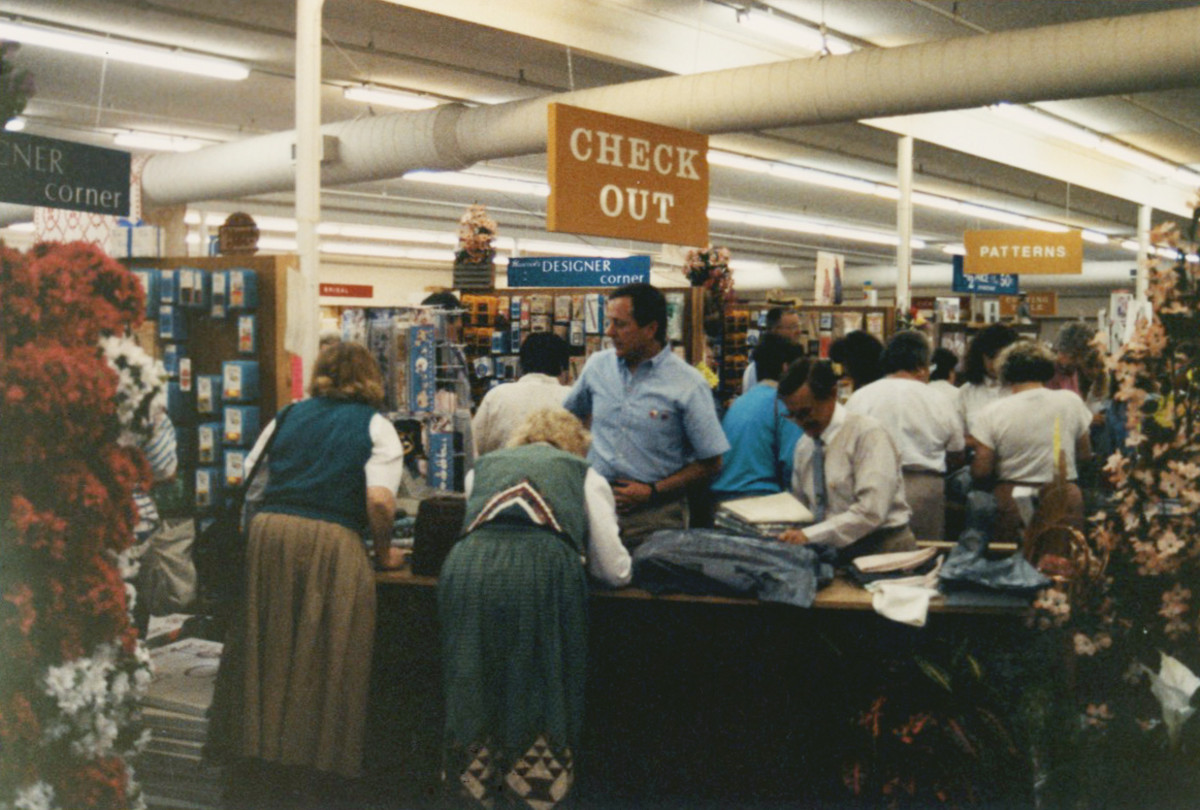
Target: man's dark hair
{"x":818,"y":375}
{"x":442,"y":300}
{"x":906,"y":351}
{"x":649,"y":305}
{"x":544,"y":353}
{"x":944,"y":362}
{"x":774,"y":316}
{"x":1026,"y":361}
{"x":988,"y":343}
{"x":858,"y":353}
{"x":772,"y":354}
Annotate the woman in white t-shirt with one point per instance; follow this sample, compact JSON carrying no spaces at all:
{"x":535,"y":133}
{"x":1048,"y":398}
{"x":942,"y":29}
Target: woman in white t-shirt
{"x":980,"y":384}
{"x":1016,"y":436}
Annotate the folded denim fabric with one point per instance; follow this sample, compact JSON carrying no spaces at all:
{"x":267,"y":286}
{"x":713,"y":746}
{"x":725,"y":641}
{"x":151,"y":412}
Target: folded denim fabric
{"x":710,"y":562}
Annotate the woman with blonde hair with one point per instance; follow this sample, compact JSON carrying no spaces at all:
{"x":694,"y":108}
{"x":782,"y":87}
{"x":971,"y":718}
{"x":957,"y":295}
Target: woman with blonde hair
{"x":300,"y":699}
{"x":512,"y":599}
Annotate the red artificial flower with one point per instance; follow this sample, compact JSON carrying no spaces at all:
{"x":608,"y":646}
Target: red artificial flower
{"x":98,"y":784}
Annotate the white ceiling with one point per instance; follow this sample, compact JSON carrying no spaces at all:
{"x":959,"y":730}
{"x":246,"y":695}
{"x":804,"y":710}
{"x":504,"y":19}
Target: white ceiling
{"x":504,"y":50}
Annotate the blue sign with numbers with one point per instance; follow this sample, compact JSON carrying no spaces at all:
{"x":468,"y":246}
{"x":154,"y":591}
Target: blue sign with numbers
{"x":982,"y":283}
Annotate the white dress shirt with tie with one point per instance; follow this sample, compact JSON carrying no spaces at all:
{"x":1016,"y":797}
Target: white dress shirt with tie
{"x":863,"y":484}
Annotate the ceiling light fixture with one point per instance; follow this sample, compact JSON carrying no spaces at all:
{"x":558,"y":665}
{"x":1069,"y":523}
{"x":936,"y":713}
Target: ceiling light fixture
{"x":798,"y":225}
{"x":14,"y":124}
{"x":123,"y":50}
{"x":480,"y":181}
{"x":158,"y":143}
{"x":370,"y":94}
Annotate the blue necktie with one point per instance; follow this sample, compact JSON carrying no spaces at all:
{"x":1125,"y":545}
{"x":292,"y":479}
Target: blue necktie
{"x":819,"y":492}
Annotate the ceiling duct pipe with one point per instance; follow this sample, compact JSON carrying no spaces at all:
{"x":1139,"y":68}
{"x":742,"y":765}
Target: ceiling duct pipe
{"x":1073,"y":60}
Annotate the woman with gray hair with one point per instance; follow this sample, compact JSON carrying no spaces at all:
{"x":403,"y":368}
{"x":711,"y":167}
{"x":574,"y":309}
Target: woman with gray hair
{"x":512,"y":599}
{"x":1018,"y":436}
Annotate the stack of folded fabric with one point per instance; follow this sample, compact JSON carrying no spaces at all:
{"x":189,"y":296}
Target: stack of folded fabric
{"x":762,"y":516}
{"x":892,"y":565}
{"x":172,"y":770}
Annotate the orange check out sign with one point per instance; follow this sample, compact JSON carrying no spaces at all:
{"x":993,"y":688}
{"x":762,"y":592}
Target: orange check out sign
{"x":628,"y":179}
{"x":1023,"y":252}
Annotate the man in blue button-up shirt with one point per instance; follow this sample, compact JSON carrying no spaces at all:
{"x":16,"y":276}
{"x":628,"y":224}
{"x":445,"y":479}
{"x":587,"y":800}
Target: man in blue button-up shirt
{"x":654,"y":426}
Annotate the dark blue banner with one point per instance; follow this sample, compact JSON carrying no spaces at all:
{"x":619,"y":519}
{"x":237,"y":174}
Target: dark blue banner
{"x":61,"y":174}
{"x":577,"y":271}
{"x":982,"y":283}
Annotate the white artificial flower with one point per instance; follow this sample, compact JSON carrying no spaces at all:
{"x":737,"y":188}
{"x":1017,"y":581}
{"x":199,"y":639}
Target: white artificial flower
{"x":38,"y":796}
{"x":120,"y":686}
{"x":61,"y":684}
{"x":1173,"y":685}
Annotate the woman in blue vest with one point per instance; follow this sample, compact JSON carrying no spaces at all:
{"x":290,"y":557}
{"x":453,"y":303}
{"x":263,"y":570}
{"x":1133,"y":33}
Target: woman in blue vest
{"x":309,"y":627}
{"x":512,"y":599}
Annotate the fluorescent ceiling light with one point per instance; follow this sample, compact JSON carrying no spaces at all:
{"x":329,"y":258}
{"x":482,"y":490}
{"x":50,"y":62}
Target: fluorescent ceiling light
{"x":1130,"y":244}
{"x":752,"y":275}
{"x":480,"y":181}
{"x":547,"y":248}
{"x":1048,"y":124}
{"x":955,"y":250}
{"x":370,"y":94}
{"x":156,"y":142}
{"x":387,"y":252}
{"x":123,"y":51}
{"x":732,"y":160}
{"x":797,"y":225}
{"x":14,"y":124}
{"x":1095,"y":237}
{"x":1136,"y":157}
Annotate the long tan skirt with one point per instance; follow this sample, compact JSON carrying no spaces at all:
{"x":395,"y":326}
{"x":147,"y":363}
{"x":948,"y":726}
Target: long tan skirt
{"x":309,"y":632}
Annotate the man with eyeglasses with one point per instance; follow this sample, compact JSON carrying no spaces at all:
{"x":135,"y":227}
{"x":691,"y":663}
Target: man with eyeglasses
{"x":846,"y":469}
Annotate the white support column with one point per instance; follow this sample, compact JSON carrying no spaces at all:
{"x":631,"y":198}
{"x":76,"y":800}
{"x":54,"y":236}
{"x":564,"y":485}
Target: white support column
{"x":904,"y":217}
{"x":303,"y":314}
{"x":1144,"y":248}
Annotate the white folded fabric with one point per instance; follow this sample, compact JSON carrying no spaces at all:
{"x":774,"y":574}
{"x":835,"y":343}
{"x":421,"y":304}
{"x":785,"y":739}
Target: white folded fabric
{"x":781,"y":507}
{"x":894,"y":561}
{"x":907,"y":604}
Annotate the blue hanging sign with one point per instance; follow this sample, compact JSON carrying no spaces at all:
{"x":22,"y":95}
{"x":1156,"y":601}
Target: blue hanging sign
{"x":983,"y":283}
{"x":62,"y":174}
{"x":577,"y":271}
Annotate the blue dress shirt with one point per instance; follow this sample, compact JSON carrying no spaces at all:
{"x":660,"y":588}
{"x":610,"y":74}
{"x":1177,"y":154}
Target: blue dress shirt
{"x":647,"y":424}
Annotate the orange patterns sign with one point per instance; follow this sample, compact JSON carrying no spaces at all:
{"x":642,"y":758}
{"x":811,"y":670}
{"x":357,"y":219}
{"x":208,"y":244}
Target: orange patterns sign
{"x":1023,"y":252}
{"x":614,"y":176}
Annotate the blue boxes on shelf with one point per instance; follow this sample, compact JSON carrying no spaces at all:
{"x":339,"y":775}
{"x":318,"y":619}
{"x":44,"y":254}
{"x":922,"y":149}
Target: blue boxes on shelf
{"x":171,"y":354}
{"x":241,"y":287}
{"x":422,"y":368}
{"x":239,"y":380}
{"x":172,"y":323}
{"x":180,"y":403}
{"x":210,"y":487}
{"x":209,"y":443}
{"x":247,"y":334}
{"x":440,"y":456}
{"x":193,"y":287}
{"x":218,"y":294}
{"x":148,"y":277}
{"x":241,"y":425}
{"x":235,"y":466}
{"x":208,"y":394}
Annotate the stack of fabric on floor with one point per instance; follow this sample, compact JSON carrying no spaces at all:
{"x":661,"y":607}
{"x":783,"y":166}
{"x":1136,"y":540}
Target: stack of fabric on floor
{"x":171,"y":769}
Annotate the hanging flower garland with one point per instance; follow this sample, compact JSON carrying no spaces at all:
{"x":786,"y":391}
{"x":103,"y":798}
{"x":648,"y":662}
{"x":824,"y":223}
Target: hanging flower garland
{"x":709,"y":268}
{"x":476,"y":232}
{"x":72,"y":669}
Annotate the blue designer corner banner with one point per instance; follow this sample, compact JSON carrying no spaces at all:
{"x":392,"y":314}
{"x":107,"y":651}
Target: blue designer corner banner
{"x":577,"y":271}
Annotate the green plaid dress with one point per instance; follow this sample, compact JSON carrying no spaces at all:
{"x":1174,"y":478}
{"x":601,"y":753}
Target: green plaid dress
{"x":512,"y":599}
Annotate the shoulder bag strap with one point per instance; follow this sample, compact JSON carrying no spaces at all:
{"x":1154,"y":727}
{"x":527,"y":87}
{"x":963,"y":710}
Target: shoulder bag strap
{"x":266,"y":451}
